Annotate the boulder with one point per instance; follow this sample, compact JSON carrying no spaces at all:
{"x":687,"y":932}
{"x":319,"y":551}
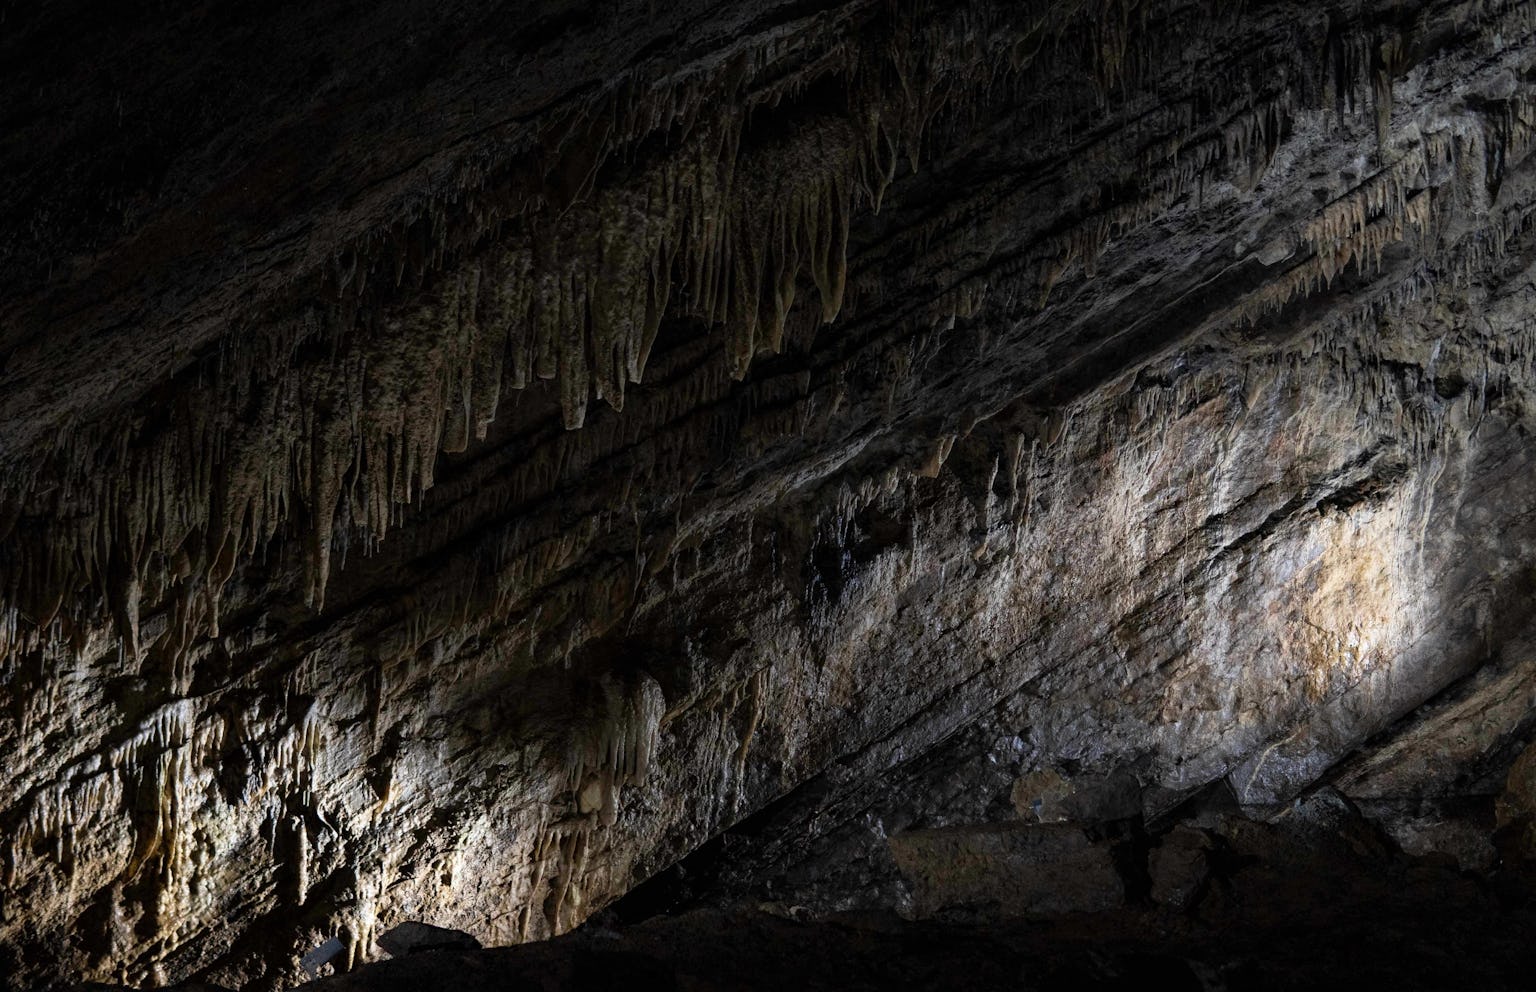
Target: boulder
{"x":1011,"y":869}
{"x":1180,"y":867}
{"x":414,"y":938}
{"x":1049,"y":797}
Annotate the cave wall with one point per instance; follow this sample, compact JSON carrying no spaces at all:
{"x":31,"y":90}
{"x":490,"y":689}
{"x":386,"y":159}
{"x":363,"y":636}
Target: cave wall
{"x":480,"y":458}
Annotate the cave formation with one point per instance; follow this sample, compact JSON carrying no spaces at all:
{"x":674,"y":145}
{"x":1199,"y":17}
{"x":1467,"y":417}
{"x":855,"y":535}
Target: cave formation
{"x":828,"y":494}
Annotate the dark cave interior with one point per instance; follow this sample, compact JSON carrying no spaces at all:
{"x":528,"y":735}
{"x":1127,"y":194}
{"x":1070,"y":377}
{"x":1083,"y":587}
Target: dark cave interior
{"x":828,"y":494}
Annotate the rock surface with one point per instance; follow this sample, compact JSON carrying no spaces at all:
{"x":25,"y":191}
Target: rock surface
{"x":1180,"y":868}
{"x":456,"y":462}
{"x":1008,"y":869}
{"x":412,"y":937}
{"x":1280,"y":909}
{"x":1048,"y":797}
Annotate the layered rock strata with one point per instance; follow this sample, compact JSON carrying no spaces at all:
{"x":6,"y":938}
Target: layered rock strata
{"x":476,"y":463}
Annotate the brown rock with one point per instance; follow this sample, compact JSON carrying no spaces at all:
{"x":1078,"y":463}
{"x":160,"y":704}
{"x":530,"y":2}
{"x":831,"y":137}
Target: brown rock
{"x":1050,"y":797}
{"x":1040,"y":797}
{"x":1008,"y":870}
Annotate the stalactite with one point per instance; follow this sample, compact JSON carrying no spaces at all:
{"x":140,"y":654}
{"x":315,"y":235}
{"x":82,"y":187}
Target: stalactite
{"x":759,"y":690}
{"x":725,"y":231}
{"x":1397,"y":204}
{"x":725,"y":234}
{"x":615,"y":748}
{"x":565,"y":896}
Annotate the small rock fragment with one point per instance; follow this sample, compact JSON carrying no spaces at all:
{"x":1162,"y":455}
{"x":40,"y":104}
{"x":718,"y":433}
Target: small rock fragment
{"x":321,"y":956}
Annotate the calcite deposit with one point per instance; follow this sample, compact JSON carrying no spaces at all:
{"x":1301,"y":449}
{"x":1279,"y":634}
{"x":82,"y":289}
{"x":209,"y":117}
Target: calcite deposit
{"x":460,"y":460}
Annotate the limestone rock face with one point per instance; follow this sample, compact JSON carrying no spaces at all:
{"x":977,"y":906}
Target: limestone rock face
{"x":457,"y":461}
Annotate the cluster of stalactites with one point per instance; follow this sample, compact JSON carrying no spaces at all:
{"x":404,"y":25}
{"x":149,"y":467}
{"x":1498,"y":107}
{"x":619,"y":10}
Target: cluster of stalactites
{"x":162,"y":777}
{"x":575,"y":294}
{"x":721,"y":225}
{"x":1435,"y":195}
{"x":705,"y":233}
{"x":614,"y":747}
{"x":611,"y":744}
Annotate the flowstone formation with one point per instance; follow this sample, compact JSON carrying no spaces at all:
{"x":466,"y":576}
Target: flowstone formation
{"x":457,"y":461}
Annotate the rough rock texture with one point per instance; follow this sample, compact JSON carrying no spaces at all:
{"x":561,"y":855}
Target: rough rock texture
{"x":456,"y":459}
{"x":1179,"y":868}
{"x":1296,"y":903}
{"x":1309,"y":899}
{"x":712,"y":950}
{"x":1012,"y":869}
